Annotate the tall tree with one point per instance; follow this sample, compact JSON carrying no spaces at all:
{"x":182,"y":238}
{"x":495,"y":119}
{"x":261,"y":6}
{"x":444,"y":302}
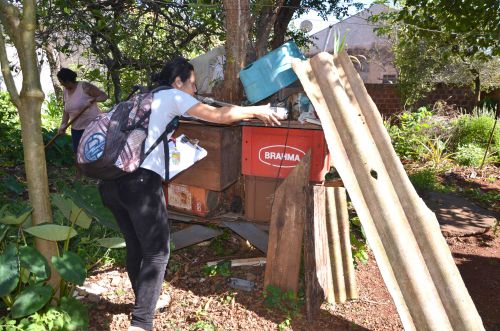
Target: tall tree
{"x":18,"y":24}
{"x":237,"y":14}
{"x":442,"y":39}
{"x":129,"y":36}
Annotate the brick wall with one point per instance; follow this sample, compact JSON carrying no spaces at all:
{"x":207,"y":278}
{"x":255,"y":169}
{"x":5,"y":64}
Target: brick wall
{"x":388,"y":101}
{"x":386,"y":97}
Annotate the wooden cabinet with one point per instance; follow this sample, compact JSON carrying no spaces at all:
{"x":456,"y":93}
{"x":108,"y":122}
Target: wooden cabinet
{"x":222,"y":166}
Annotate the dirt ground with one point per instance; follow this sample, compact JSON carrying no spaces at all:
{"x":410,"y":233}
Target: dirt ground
{"x":201,"y":303}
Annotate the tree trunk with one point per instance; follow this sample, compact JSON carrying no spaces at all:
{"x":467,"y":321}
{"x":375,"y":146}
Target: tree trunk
{"x":281,"y":24}
{"x":115,"y":78}
{"x":55,"y":66}
{"x":237,"y":30}
{"x":20,"y":27}
{"x":477,"y":89}
{"x":265,"y":23}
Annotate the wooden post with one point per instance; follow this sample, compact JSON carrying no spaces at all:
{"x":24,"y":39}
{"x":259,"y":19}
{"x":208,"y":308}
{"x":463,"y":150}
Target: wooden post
{"x":286,"y":228}
{"x":332,"y":222}
{"x":345,"y":243}
{"x":317,"y":268}
{"x":457,"y":302}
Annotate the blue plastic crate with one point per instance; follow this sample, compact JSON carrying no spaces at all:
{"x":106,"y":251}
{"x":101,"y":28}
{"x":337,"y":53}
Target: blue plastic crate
{"x":270,"y":73}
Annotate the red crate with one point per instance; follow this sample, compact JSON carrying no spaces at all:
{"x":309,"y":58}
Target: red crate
{"x":274,"y":152}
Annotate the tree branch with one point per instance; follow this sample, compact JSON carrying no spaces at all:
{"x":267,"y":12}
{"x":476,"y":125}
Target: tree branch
{"x":6,"y":72}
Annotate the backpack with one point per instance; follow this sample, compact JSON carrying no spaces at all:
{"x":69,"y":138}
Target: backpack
{"x":112,"y":145}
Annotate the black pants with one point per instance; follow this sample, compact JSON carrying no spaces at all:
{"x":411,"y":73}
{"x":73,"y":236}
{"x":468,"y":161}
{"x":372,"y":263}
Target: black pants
{"x":138,"y":203}
{"x":76,"y":136}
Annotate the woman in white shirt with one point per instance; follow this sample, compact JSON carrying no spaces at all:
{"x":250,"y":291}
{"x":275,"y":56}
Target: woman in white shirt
{"x":137,"y":200}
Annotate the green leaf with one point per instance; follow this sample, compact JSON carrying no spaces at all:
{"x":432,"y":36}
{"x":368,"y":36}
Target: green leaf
{"x":78,"y":311}
{"x":82,"y":219}
{"x":9,"y":270}
{"x":34,"y":261}
{"x":63,"y":204}
{"x":14,"y":185}
{"x":3,"y":231}
{"x":51,"y":232}
{"x":114,"y":242}
{"x":15,"y":220}
{"x":71,"y":267}
{"x":88,"y":198}
{"x":71,"y":211}
{"x":31,"y":300}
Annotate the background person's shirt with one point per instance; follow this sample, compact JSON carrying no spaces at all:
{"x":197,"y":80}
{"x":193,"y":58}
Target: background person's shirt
{"x":165,"y":106}
{"x":75,"y":102}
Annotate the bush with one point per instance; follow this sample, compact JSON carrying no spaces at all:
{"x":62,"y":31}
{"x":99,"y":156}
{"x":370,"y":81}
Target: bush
{"x":475,"y":129}
{"x":424,"y":180}
{"x":408,"y":135}
{"x":10,"y":132}
{"x":470,"y":155}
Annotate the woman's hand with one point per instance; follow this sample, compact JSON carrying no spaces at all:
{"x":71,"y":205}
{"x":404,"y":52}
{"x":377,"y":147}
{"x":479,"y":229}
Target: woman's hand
{"x":62,"y":129}
{"x":266,"y":115}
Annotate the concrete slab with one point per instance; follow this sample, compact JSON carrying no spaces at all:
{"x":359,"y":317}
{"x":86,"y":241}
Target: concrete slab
{"x":458,"y":216}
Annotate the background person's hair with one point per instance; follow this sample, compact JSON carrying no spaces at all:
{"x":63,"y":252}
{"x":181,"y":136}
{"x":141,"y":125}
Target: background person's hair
{"x":66,"y":75}
{"x":178,"y":67}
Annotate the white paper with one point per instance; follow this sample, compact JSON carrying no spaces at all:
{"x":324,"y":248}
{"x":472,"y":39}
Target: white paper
{"x":189,"y":155}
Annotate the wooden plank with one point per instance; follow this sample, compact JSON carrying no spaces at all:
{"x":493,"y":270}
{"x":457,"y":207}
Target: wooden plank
{"x":317,"y":268}
{"x":192,"y":235}
{"x":332,"y":221}
{"x":286,"y":228}
{"x":252,"y":262}
{"x":250,"y":232}
{"x":345,"y":243}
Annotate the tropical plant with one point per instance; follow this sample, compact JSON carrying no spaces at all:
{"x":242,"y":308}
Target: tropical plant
{"x":436,"y":152}
{"x":24,"y":271}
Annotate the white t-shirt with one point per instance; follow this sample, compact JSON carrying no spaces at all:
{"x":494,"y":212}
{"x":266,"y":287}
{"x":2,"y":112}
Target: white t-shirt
{"x":165,"y":106}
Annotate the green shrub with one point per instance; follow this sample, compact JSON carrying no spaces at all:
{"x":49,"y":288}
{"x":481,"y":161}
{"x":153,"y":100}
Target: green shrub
{"x":409,"y":134}
{"x":470,"y":155}
{"x":475,"y":129}
{"x":52,"y":111}
{"x":10,"y":132}
{"x":424,"y":180}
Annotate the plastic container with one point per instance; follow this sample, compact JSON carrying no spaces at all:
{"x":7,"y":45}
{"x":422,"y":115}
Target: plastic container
{"x":270,"y":73}
{"x":274,"y":152}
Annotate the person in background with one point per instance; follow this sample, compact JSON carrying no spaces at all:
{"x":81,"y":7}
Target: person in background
{"x":137,"y":200}
{"x":78,"y":96}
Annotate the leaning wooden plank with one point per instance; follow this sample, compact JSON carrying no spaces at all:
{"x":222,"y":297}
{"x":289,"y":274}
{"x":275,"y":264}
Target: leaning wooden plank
{"x":333,"y":214}
{"x":345,"y":242}
{"x":286,"y":228}
{"x":343,"y":165}
{"x":407,"y":262}
{"x":193,"y":235}
{"x":317,"y":268}
{"x":457,"y":302}
{"x":250,"y":232}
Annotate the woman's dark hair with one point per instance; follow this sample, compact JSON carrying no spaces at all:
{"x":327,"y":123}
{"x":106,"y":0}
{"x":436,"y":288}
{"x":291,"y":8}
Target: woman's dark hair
{"x":178,"y":67}
{"x":66,"y":75}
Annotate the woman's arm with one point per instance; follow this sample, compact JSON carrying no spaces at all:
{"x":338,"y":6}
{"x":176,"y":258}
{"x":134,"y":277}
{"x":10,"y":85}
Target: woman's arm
{"x":230,"y":114}
{"x":94,"y":92}
{"x":64,"y":123}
